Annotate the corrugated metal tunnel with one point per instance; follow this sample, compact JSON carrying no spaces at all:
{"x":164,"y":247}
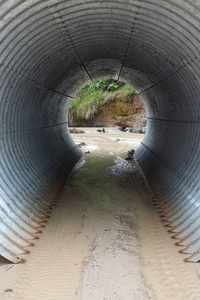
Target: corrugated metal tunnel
{"x":49,"y":51}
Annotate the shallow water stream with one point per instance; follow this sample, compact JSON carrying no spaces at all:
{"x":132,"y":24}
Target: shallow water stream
{"x":104,"y":240}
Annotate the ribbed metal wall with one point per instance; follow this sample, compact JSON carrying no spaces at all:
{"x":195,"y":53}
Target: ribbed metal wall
{"x":49,"y":50}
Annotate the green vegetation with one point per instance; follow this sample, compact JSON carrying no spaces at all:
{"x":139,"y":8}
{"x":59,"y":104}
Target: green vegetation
{"x":90,"y":100}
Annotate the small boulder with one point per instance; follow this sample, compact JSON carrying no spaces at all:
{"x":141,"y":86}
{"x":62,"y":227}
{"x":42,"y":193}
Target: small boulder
{"x":81,"y":145}
{"x":88,"y":152}
{"x":99,"y":130}
{"x":130,"y":155}
{"x":74,"y":130}
{"x":122,"y":128}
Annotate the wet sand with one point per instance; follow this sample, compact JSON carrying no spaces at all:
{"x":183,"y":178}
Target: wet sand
{"x":104,"y":240}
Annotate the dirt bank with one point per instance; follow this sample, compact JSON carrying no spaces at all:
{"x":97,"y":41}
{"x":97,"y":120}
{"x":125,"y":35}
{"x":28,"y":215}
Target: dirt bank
{"x":121,"y":113}
{"x":122,"y":107}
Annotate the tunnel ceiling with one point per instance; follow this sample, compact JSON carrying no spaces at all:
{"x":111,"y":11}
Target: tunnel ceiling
{"x":49,"y":51}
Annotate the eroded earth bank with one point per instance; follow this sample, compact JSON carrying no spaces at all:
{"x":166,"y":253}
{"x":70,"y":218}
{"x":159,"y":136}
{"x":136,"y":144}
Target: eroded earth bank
{"x":104,"y":240}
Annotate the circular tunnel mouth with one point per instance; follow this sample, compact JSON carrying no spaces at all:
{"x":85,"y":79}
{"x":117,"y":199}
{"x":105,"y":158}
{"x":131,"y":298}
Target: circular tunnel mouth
{"x":49,"y":50}
{"x":107,"y":106}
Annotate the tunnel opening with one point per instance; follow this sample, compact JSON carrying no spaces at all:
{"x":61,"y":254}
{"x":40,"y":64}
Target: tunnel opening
{"x":108,"y":107}
{"x":108,"y":103}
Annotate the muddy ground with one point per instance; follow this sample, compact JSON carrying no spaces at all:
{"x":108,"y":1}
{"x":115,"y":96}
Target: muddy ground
{"x":104,"y":240}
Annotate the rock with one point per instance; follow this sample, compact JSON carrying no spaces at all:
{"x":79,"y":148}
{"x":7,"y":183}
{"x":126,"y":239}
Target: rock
{"x":130,"y":155}
{"x":142,"y":130}
{"x":144,"y":123}
{"x":81,"y":145}
{"x":122,"y":128}
{"x":88,"y":152}
{"x":99,"y":130}
{"x":74,"y":130}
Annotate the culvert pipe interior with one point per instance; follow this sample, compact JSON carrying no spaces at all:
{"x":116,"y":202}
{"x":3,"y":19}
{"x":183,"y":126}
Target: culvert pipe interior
{"x":49,"y":51}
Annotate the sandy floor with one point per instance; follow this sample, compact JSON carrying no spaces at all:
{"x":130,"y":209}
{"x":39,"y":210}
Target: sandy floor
{"x":104,"y":240}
